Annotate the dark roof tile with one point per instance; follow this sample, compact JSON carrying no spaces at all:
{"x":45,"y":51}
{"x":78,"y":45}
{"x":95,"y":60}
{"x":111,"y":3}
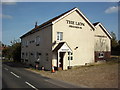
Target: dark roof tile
{"x":58,"y":46}
{"x":46,"y":23}
{"x":95,"y":23}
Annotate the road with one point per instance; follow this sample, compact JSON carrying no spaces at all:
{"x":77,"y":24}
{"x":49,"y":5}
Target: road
{"x":18,"y":77}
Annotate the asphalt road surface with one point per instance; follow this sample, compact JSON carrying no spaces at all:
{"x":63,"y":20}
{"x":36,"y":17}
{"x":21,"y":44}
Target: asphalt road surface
{"x":18,"y":77}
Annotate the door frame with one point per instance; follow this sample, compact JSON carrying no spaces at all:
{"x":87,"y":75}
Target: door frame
{"x":59,"y":60}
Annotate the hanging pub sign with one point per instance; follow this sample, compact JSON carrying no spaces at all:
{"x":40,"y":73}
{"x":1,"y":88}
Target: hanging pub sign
{"x":75,"y":24}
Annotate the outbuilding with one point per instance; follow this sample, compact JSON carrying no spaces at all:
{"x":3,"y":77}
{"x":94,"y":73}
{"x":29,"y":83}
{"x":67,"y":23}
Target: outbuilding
{"x":67,"y":40}
{"x":102,"y":42}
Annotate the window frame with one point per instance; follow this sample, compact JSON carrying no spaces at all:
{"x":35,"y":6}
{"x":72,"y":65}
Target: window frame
{"x":27,"y":43}
{"x":59,"y":36}
{"x":37,"y":40}
{"x":101,"y":55}
{"x":70,"y":56}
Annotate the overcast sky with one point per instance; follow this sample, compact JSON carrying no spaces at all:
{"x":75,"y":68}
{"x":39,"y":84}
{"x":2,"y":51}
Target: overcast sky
{"x":20,"y":17}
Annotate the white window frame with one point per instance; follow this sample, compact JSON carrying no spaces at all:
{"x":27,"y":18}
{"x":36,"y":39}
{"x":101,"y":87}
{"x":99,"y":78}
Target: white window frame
{"x":101,"y":55}
{"x":37,"y":40}
{"x":59,"y":36}
{"x":70,"y":56}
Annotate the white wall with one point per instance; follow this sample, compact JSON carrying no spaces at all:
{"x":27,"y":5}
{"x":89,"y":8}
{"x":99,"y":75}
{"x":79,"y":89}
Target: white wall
{"x":101,"y":43}
{"x":74,"y":37}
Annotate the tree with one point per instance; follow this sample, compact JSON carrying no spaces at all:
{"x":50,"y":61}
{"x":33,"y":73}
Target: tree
{"x":13,"y":51}
{"x":7,"y":52}
{"x":119,"y":42}
{"x":118,"y":47}
{"x":114,"y":42}
{"x":16,"y":52}
{"x":115,"y":45}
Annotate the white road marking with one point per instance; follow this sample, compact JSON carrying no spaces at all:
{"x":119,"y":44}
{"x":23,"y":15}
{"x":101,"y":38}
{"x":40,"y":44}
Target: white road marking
{"x":31,"y":85}
{"x":6,"y":69}
{"x":15,"y":74}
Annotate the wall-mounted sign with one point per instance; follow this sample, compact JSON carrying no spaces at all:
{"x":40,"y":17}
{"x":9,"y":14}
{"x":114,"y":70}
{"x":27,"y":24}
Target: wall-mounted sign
{"x":65,"y":50}
{"x":75,"y":24}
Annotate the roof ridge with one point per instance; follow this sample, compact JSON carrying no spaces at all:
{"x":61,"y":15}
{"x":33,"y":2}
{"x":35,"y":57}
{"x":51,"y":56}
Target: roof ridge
{"x":47,"y":22}
{"x":53,"y":19}
{"x":96,"y":23}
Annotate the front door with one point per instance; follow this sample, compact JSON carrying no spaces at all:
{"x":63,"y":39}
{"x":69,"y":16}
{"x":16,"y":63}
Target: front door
{"x":61,"y":60}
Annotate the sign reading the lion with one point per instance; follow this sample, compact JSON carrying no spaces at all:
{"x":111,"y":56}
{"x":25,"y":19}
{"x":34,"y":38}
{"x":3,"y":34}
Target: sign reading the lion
{"x":75,"y":24}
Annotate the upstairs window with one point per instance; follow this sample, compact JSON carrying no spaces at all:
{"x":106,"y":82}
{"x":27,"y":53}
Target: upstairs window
{"x":22,"y":44}
{"x":59,"y":36}
{"x":27,"y":43}
{"x":37,"y":41}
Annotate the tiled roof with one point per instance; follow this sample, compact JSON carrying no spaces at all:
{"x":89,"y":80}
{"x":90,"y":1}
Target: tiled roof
{"x":95,"y":23}
{"x":58,"y":46}
{"x":46,"y":23}
{"x":103,"y":28}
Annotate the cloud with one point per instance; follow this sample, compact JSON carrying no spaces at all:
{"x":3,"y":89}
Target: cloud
{"x":9,"y":2}
{"x":112,"y":9}
{"x":5,"y":16}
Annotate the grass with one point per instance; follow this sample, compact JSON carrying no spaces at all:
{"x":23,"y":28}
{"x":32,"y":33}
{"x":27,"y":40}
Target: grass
{"x":95,"y":75}
{"x":112,"y":60}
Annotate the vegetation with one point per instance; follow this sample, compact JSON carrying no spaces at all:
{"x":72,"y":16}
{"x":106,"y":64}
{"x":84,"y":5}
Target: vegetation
{"x":12,"y":52}
{"x":16,"y":52}
{"x":115,"y":45}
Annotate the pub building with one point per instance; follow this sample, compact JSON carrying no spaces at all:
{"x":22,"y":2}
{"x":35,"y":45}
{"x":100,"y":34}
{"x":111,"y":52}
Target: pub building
{"x":67,"y":40}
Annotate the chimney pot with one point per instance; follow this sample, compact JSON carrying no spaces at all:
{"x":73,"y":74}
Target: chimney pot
{"x":35,"y":24}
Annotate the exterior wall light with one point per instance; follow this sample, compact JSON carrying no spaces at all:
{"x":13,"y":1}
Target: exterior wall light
{"x":75,"y":48}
